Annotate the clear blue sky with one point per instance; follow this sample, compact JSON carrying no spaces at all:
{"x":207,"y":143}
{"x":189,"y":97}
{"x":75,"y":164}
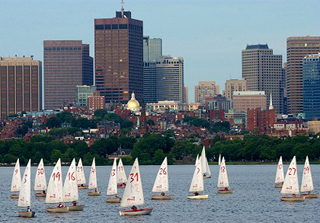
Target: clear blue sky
{"x":209,"y":34}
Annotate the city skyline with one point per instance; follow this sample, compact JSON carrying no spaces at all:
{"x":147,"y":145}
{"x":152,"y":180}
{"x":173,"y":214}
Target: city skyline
{"x":208,"y":46}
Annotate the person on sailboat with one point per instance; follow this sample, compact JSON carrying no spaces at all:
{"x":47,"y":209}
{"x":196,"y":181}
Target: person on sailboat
{"x":196,"y":193}
{"x":95,"y":190}
{"x":163,"y":194}
{"x":134,"y":208}
{"x":28,"y":209}
{"x":44,"y":192}
{"x":122,"y":185}
{"x":60,"y":205}
{"x":74,"y":203}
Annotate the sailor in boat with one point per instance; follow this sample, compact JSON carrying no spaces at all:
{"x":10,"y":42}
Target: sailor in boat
{"x":74,"y":203}
{"x":95,"y":190}
{"x":60,"y":205}
{"x":196,"y":193}
{"x":162,"y":194}
{"x":225,"y":189}
{"x":28,"y":209}
{"x":122,"y":185}
{"x":294,"y":196}
{"x":134,"y":208}
{"x":44,"y":192}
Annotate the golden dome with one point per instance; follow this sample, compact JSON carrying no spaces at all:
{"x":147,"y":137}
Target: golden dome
{"x":133,"y":104}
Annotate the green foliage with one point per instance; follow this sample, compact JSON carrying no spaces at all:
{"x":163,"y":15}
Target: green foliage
{"x":100,"y":113}
{"x":150,"y":122}
{"x":60,"y":132}
{"x":126,"y":124}
{"x":84,"y":123}
{"x":12,"y":115}
{"x":53,"y":122}
{"x":198,"y":122}
{"x":65,"y":116}
{"x":113,"y":117}
{"x":221,"y":126}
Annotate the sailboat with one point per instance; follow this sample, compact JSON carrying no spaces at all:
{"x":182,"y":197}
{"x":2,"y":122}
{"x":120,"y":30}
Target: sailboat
{"x":121,"y":176}
{"x":40,"y":181}
{"x":16,"y":180}
{"x":290,"y":185}
{"x":25,"y":193}
{"x":161,"y":184}
{"x":70,"y":188}
{"x":112,"y":186}
{"x":54,"y":191}
{"x":133,"y":194}
{"x":223,"y":181}
{"x":280,"y":175}
{"x":93,"y":180}
{"x":204,"y":164}
{"x":81,"y":178}
{"x":307,"y":182}
{"x":197,"y":183}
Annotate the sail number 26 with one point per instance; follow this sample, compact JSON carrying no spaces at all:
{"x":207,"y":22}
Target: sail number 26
{"x":292,"y":171}
{"x":132,"y":176}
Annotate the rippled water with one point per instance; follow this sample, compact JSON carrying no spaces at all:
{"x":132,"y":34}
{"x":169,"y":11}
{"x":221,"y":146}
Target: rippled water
{"x":254,"y":199}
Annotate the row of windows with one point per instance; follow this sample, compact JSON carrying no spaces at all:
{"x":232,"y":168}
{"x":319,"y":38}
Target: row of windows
{"x":62,"y":48}
{"x":118,"y":26}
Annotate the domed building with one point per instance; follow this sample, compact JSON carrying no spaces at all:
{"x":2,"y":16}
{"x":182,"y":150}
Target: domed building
{"x":133,"y":104}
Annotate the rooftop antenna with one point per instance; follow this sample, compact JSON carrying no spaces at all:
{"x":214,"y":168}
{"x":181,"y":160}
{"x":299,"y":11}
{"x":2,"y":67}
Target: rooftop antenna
{"x":122,"y":9}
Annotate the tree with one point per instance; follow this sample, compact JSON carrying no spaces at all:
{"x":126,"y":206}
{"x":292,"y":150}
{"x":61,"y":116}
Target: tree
{"x":158,"y":157}
{"x":126,"y":124}
{"x":100,"y":113}
{"x":65,"y":116}
{"x":8,"y":158}
{"x":150,"y":122}
{"x":53,"y":122}
{"x":56,"y":154}
{"x":80,"y":147}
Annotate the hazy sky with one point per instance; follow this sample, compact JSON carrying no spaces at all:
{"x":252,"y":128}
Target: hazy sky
{"x":209,"y":34}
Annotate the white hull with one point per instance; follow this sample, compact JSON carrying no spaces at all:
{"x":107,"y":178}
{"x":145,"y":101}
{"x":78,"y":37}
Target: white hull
{"x":315,"y":195}
{"x":198,"y":197}
{"x":94,"y":193}
{"x":113,"y":199}
{"x":58,"y":210}
{"x":76,"y":208}
{"x":160,"y":197}
{"x":225,"y":191}
{"x":294,"y":199}
{"x":135,"y":213}
{"x":278,"y":185}
{"x":14,"y":195}
{"x":26,"y":214}
{"x":40,"y":194}
{"x":83,"y":187}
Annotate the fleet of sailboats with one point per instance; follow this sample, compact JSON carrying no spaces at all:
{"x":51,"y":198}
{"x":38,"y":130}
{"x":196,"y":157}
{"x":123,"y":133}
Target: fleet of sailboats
{"x":121,"y":176}
{"x":81,"y":178}
{"x":16,"y":180}
{"x":93,"y":184}
{"x":25,"y":193}
{"x":40,"y":183}
{"x":161,"y":184}
{"x":133,"y":194}
{"x":204,"y":164}
{"x":280,"y":174}
{"x":197,"y":183}
{"x":223,"y":181}
{"x":112,"y":185}
{"x":307,"y":182}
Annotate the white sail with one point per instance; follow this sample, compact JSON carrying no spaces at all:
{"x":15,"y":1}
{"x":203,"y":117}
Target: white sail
{"x":197,"y":180}
{"x":291,"y":185}
{"x":307,"y":182}
{"x":81,"y":178}
{"x":93,"y":176}
{"x":219,"y":160}
{"x":122,"y":178}
{"x":70,"y":187}
{"x":204,"y":164}
{"x":208,"y":168}
{"x":280,"y":173}
{"x":161,"y":183}
{"x":133,"y":193}
{"x":54,"y":191}
{"x":112,"y":186}
{"x":16,"y":178}
{"x":40,"y":181}
{"x":25,"y":190}
{"x":223,"y":180}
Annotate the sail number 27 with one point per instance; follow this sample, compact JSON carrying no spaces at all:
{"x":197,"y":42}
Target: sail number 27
{"x":132,"y":176}
{"x":292,"y":169}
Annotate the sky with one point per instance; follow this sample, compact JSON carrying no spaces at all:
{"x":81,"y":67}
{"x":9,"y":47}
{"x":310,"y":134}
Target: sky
{"x":208,"y":34}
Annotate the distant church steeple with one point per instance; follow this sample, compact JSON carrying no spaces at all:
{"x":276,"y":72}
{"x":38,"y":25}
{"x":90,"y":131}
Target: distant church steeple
{"x":271,"y":106}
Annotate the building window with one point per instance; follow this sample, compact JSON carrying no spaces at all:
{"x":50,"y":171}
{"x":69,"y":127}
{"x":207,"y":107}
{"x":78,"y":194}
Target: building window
{"x":99,"y":27}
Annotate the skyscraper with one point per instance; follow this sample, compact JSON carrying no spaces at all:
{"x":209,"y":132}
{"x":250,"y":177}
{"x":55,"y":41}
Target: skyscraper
{"x":263,"y":72}
{"x":234,"y":85}
{"x":119,"y":57}
{"x":205,"y":89}
{"x":21,"y":85}
{"x":170,"y":79}
{"x":66,"y":64}
{"x":152,"y":48}
{"x":297,"y":49}
{"x":311,"y":86}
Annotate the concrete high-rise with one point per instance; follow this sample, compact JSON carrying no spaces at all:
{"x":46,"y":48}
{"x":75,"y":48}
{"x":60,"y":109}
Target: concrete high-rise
{"x":152,"y":48}
{"x":263,"y":72}
{"x":66,"y":64}
{"x":243,"y":100}
{"x":170,"y":79}
{"x":297,"y":49}
{"x":21,"y":85}
{"x":234,"y":85}
{"x":205,"y":89}
{"x":311,"y":86}
{"x":119,"y":57}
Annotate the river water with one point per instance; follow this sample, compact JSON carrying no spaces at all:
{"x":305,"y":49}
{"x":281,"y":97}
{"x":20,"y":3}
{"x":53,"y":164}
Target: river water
{"x":254,"y":199}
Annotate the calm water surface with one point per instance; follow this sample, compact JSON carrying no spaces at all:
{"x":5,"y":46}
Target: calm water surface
{"x":254,"y":199}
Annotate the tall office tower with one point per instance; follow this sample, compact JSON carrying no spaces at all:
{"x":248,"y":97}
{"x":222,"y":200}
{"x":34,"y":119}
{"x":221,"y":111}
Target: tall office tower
{"x":82,"y":94}
{"x":234,"y":85}
{"x":119,"y":57}
{"x":297,"y":49}
{"x":243,"y":100}
{"x":21,"y":85}
{"x":186,"y":95}
{"x":263,"y":72}
{"x":311,"y":86}
{"x":152,"y":48}
{"x":66,"y":64}
{"x":205,"y":89}
{"x":170,"y":79}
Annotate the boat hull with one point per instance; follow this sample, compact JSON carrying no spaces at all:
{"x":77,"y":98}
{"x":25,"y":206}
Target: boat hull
{"x":198,"y":197}
{"x":58,"y":210}
{"x":83,"y":187}
{"x":144,"y":211}
{"x":294,"y":199}
{"x":14,"y":195}
{"x":121,"y":185}
{"x":113,"y":199}
{"x":310,"y":195}
{"x":94,"y":193}
{"x":40,"y":194}
{"x":26,"y":214}
{"x":160,"y":197}
{"x":76,"y":208}
{"x":225,"y":191}
{"x":278,"y":185}
{"x":205,"y":177}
